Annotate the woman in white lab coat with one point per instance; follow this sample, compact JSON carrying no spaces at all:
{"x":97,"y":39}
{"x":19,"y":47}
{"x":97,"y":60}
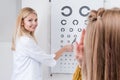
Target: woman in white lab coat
{"x":28,"y":57}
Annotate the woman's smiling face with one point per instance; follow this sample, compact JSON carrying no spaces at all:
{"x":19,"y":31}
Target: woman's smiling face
{"x":30,"y":22}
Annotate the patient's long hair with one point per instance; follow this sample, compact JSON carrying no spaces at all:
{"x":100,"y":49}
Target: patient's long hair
{"x":102,"y":45}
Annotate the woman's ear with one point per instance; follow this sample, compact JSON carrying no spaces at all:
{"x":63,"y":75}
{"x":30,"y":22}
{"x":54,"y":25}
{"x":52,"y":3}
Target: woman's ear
{"x":22,"y":23}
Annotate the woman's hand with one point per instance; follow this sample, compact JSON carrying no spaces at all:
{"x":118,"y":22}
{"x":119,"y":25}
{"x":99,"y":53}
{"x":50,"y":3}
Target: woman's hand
{"x":68,"y":48}
{"x":79,"y":48}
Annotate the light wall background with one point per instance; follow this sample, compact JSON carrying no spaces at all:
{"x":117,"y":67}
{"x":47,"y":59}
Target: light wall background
{"x":8,"y":12}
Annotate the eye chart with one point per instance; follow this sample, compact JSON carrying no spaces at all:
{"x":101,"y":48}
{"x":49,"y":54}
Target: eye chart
{"x":68,"y":18}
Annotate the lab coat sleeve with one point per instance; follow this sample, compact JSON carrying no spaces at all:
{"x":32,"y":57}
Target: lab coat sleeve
{"x":29,"y":47}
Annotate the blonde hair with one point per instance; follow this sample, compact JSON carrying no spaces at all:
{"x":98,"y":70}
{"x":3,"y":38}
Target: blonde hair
{"x":20,"y":30}
{"x":102,"y":45}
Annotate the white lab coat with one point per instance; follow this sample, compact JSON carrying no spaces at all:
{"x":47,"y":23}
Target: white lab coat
{"x":28,"y":58}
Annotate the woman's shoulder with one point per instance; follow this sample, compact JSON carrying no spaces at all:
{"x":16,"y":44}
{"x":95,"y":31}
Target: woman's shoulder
{"x":25,"y":39}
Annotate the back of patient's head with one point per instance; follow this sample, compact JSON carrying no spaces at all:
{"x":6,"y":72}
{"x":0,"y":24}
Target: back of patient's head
{"x":102,"y":45}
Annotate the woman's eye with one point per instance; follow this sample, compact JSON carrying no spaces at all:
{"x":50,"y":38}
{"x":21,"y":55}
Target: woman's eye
{"x":30,"y":20}
{"x":35,"y":20}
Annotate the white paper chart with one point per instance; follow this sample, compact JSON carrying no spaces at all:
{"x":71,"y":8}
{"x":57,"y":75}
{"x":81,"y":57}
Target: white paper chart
{"x":68,"y":18}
